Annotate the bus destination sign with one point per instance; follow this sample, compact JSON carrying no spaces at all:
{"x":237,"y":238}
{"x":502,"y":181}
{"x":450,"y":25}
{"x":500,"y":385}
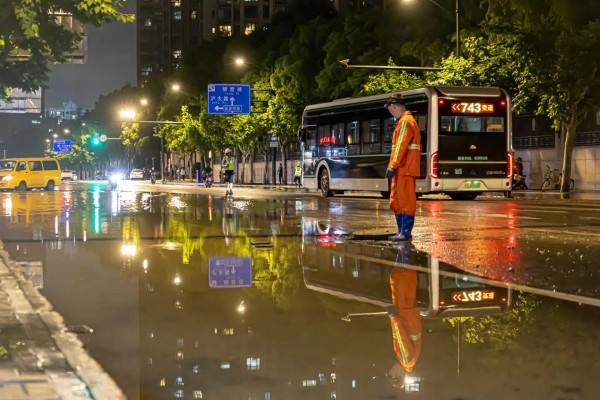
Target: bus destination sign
{"x":472,"y":108}
{"x":468,"y":296}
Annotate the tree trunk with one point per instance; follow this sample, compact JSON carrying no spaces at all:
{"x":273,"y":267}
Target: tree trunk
{"x":252,"y":167}
{"x":284,"y":160}
{"x":565,"y":185}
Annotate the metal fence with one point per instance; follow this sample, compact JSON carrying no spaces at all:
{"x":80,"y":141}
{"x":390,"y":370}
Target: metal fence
{"x":591,"y":138}
{"x":533,"y":142}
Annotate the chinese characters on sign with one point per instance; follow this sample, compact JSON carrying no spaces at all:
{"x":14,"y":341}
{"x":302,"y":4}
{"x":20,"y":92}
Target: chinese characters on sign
{"x":228,"y":99}
{"x":471,"y":108}
{"x":229,"y":272}
{"x":62,"y":146}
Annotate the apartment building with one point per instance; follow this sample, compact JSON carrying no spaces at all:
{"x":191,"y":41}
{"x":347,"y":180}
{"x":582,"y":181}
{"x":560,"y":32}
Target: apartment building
{"x":168,"y":29}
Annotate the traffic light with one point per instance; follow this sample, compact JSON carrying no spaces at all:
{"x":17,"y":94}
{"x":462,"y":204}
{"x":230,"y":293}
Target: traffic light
{"x":95,"y":141}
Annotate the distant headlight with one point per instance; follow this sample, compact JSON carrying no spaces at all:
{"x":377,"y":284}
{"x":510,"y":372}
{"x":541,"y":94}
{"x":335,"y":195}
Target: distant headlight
{"x":116,"y":177}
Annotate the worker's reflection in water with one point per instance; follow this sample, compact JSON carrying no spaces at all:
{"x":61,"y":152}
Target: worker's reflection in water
{"x":404,"y":316}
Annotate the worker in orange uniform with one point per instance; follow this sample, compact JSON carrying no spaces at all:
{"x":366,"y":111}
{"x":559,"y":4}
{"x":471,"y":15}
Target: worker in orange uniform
{"x":404,"y":167}
{"x":405,"y":316}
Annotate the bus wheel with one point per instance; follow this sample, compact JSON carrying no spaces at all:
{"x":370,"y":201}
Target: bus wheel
{"x":325,"y":190}
{"x":50,"y":186}
{"x":22,"y":186}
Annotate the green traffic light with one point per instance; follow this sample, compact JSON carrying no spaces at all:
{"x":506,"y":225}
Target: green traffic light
{"x":96,"y":141}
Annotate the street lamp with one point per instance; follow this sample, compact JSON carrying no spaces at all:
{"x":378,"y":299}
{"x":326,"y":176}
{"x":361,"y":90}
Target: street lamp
{"x":456,"y":9}
{"x":66,"y":130}
{"x":55,"y":135}
{"x":175,"y":87}
{"x":128,"y":114}
{"x":144,"y":101}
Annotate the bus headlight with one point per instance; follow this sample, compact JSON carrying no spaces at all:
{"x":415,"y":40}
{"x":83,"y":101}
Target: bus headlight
{"x":8,"y":178}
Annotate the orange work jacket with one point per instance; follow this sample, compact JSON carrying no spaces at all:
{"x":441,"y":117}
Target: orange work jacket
{"x":406,"y":324}
{"x":406,"y":146}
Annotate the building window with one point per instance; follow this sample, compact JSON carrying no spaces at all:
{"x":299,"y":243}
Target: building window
{"x":179,"y":394}
{"x":146,"y":71}
{"x":309,"y":383}
{"x":179,"y":381}
{"x":177,"y":15}
{"x":225,"y":29}
{"x":253,"y":364}
{"x":148,"y":22}
{"x":250,"y":27}
{"x":194,"y":14}
{"x":176,"y":3}
{"x":214,"y":30}
{"x":197,"y":394}
{"x":177,"y":54}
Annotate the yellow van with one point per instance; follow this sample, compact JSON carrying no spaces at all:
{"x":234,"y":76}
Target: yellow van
{"x":32,"y":172}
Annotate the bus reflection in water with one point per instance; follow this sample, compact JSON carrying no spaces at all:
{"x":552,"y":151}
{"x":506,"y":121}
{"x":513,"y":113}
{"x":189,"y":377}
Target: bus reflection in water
{"x":406,"y":286}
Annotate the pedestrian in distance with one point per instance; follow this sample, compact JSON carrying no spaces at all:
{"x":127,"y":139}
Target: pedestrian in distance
{"x":280,"y":173}
{"x":228,"y":165}
{"x":298,"y":175}
{"x":404,"y":167}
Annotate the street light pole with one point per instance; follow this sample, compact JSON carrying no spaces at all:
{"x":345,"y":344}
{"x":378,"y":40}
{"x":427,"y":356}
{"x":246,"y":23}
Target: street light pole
{"x":457,"y":29}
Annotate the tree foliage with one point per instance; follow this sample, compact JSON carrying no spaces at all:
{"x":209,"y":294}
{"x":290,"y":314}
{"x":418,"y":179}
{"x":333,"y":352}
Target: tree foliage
{"x":31,"y":36}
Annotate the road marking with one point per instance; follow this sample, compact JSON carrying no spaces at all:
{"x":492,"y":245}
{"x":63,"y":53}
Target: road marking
{"x":480,"y":215}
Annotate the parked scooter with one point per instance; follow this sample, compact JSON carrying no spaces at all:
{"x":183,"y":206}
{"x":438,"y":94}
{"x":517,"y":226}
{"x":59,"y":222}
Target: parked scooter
{"x":208,"y":180}
{"x":518,"y":182}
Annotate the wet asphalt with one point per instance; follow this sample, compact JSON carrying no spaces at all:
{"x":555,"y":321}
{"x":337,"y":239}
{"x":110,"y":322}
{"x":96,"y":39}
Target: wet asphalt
{"x":507,"y":291}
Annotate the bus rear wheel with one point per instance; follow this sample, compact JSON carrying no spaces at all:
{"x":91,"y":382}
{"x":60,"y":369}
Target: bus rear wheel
{"x":324,"y":179}
{"x":50,"y":186}
{"x":22,"y":186}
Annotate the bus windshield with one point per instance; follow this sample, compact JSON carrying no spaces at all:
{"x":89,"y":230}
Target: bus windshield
{"x":7,"y":165}
{"x":471,"y":124}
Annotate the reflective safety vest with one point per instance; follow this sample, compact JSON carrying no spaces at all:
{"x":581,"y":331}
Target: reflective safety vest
{"x":229,"y":164}
{"x":298,"y":171}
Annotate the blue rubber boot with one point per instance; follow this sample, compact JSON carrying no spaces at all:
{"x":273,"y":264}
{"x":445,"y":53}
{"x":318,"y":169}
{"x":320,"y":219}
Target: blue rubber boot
{"x":409,"y":223}
{"x":401,"y":221}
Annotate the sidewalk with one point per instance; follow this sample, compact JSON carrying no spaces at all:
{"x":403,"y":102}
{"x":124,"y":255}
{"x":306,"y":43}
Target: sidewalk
{"x":38,"y":358}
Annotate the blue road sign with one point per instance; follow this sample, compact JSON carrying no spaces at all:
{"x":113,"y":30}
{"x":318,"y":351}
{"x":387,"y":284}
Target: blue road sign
{"x":229,"y":272}
{"x":62,"y":146}
{"x":228,"y":98}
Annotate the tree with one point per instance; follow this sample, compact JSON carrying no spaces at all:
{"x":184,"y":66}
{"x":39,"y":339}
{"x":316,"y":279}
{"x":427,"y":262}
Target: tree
{"x":553,"y":49}
{"x":31,"y":37}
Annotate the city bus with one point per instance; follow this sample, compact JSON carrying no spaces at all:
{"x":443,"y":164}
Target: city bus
{"x":465,"y":136}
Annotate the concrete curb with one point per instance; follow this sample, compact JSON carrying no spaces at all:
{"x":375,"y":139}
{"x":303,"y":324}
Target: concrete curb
{"x":59,"y":354}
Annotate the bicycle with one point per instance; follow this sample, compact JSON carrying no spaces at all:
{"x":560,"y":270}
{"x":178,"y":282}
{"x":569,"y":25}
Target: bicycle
{"x":553,"y":177}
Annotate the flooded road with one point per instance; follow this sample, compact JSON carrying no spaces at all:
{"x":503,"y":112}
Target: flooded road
{"x":471,"y":310}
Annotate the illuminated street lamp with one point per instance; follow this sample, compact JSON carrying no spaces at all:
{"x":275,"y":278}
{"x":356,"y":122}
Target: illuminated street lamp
{"x":128,"y":114}
{"x":144,"y":101}
{"x":66,"y":130}
{"x":456,"y":9}
{"x":55,"y":135}
{"x":241,"y":308}
{"x":175,"y":87}
{"x":47,"y":140}
{"x":177,"y":280}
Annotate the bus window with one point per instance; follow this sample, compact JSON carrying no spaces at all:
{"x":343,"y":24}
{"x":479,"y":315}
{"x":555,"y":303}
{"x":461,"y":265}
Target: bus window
{"x":352,"y":137}
{"x":388,"y":133}
{"x":324,"y":141}
{"x":456,"y":123}
{"x":337,"y":133}
{"x":371,"y":132}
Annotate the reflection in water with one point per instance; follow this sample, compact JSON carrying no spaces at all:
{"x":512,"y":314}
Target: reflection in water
{"x":140,"y":277}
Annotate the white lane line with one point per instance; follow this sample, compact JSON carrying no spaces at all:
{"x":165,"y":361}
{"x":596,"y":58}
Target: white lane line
{"x":483,"y":215}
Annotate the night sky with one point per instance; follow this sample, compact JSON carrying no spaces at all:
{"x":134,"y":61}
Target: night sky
{"x":111,"y":64}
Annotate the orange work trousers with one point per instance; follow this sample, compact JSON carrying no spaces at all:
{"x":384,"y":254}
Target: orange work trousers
{"x":403,"y":195}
